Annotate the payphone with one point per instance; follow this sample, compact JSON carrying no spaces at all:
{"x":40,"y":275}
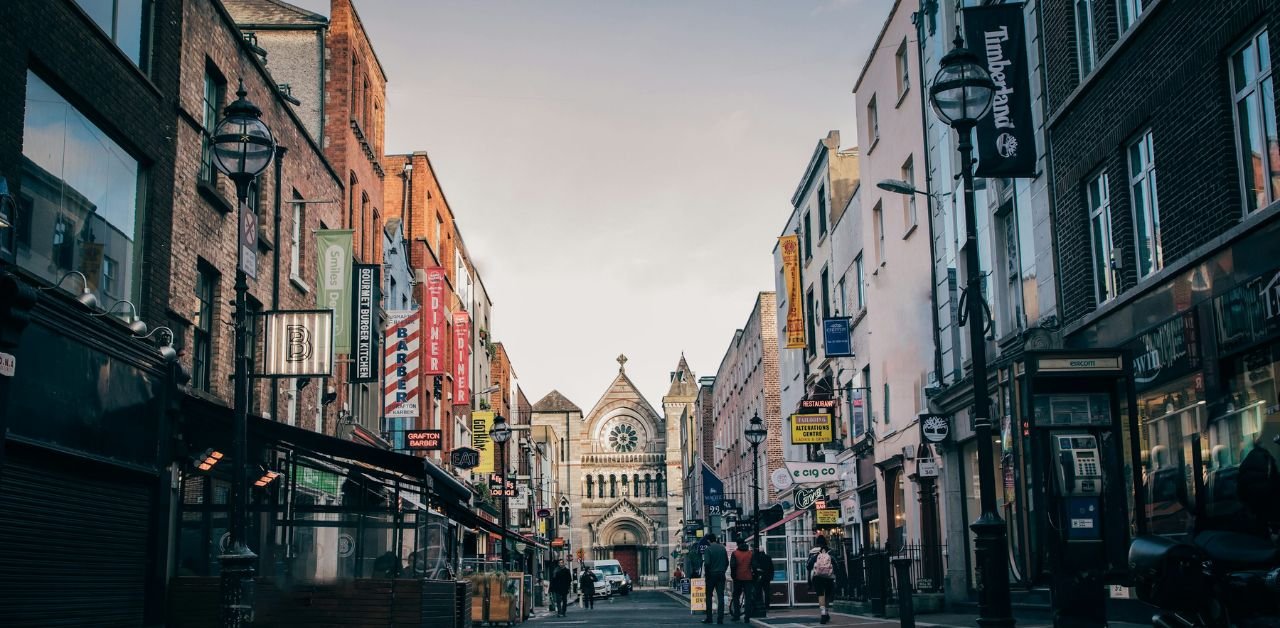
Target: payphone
{"x":1078,"y":475}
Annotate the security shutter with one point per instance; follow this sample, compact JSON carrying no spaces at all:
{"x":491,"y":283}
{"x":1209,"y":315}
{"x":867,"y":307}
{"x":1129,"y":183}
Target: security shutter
{"x":73,"y":544}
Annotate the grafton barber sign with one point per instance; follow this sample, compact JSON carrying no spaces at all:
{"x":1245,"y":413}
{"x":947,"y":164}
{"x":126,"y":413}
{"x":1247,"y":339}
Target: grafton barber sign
{"x":1006,"y":138}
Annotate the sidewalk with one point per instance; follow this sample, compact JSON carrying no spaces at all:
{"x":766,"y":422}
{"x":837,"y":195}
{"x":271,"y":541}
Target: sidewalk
{"x":806,"y":617}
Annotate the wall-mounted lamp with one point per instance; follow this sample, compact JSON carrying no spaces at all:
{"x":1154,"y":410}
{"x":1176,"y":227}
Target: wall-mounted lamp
{"x":166,"y":350}
{"x":86,"y":298}
{"x":136,"y":324}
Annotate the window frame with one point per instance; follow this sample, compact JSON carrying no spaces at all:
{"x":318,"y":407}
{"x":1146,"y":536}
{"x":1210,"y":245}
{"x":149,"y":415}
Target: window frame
{"x":1104,"y":290}
{"x":1090,"y":33}
{"x":859,"y":273}
{"x":910,"y":212}
{"x":146,"y":19}
{"x":808,"y":235}
{"x":1262,"y":85}
{"x":202,"y":332}
{"x":877,"y":224}
{"x":902,"y":63}
{"x":297,"y":239}
{"x":213,"y":81}
{"x":1146,"y":178}
{"x":1128,"y":12}
{"x":873,"y":120}
{"x":822,"y":210}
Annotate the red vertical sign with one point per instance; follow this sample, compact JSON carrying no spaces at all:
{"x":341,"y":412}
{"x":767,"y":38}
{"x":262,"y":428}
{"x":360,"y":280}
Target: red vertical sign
{"x":461,"y":359}
{"x":433,"y":347}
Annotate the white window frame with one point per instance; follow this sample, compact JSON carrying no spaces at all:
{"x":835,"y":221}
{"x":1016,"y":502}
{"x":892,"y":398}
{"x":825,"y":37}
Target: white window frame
{"x":1128,"y":12}
{"x":910,"y":216}
{"x":1254,"y":91}
{"x":877,"y":218}
{"x":873,"y":120}
{"x":903,"y":64}
{"x":1100,"y":220}
{"x":1142,"y":184}
{"x":1086,"y":51}
{"x":296,"y":241}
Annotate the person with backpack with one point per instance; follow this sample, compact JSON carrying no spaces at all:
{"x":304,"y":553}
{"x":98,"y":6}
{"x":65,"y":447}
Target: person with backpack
{"x":822,"y":575}
{"x":762,"y":572}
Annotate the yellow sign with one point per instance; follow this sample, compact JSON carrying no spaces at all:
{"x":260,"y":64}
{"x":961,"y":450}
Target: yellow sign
{"x":698,"y":594}
{"x":480,"y":424}
{"x":810,"y":429}
{"x":828,"y":517}
{"x":790,"y":246}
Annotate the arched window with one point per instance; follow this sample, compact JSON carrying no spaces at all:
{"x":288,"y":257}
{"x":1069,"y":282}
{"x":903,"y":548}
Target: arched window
{"x":648,"y":485}
{"x":635,"y":484}
{"x":661,"y":489}
{"x":613,"y":485}
{"x":600,"y":485}
{"x":588,"y":487}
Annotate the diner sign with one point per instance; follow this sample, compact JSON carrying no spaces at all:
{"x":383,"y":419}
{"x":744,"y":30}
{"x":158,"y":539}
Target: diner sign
{"x":461,"y":359}
{"x":435,"y":322}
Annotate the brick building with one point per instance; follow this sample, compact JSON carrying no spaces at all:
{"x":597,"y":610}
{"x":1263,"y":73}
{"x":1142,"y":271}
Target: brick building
{"x":1178,"y":269}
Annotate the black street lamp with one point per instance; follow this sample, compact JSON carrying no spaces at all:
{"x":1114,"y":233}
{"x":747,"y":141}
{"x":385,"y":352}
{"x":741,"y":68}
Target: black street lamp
{"x":242,"y":149}
{"x":500,"y":433}
{"x":756,"y":433}
{"x":961,"y":95}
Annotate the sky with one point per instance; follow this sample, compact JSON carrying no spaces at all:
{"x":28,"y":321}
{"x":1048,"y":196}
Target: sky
{"x":619,"y":171}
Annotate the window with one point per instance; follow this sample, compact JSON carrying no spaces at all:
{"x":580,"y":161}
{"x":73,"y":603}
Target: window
{"x":902,"y":62}
{"x":811,"y":343}
{"x":826,"y":293}
{"x":214,"y":90}
{"x":1255,"y":113}
{"x":1146,"y":206}
{"x":1007,"y":221}
{"x":110,"y":276}
{"x":297,"y":242}
{"x":291,"y":408}
{"x":1127,"y":11}
{"x":202,"y":340}
{"x":909,"y":216}
{"x":125,"y":22}
{"x":873,"y":121}
{"x":842,"y":294}
{"x":590,"y":487}
{"x":1084,"y":36}
{"x":1099,"y":199}
{"x":886,"y":402}
{"x":808,"y":237}
{"x":877,"y":216}
{"x":857,"y":278}
{"x":822,"y":210}
{"x":82,"y":191}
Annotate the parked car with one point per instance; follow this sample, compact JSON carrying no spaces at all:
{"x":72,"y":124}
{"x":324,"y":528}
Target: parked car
{"x":619,"y":580}
{"x":603,"y":588}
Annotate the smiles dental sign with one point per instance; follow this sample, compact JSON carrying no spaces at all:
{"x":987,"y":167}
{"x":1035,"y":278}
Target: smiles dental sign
{"x":812,"y":472}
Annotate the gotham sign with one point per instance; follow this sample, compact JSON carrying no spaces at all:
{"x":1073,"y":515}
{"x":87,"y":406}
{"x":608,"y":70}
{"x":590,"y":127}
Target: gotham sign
{"x":1006,"y":137}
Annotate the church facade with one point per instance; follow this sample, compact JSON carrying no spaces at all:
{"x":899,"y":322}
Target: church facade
{"x":623,"y":493}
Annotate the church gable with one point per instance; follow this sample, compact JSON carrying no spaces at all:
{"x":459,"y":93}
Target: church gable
{"x":621,"y":393}
{"x":624,"y":509}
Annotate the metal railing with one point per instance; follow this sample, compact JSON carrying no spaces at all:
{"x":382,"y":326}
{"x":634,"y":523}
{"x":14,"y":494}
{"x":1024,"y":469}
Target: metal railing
{"x":867,"y":573}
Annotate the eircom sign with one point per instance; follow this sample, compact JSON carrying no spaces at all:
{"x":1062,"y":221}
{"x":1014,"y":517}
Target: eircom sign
{"x":810,"y":429}
{"x":812,"y":472}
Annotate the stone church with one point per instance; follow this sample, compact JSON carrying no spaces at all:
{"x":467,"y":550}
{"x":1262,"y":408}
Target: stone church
{"x":621,"y":474}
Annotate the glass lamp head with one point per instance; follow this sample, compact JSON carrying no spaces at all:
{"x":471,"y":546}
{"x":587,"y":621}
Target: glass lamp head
{"x":242,"y":144}
{"x":962,"y":89}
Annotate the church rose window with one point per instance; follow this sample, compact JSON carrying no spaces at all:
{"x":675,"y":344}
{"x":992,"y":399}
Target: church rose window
{"x":623,"y":438}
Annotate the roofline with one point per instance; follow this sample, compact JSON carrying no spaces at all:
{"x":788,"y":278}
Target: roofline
{"x":806,"y":181}
{"x":303,"y":26}
{"x":372,"y":51}
{"x":884,"y":28}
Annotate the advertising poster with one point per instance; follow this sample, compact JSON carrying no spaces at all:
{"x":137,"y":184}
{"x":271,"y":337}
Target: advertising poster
{"x":333,"y":288}
{"x":400,"y":365}
{"x":480,"y":424}
{"x":837,"y":341}
{"x":462,"y":359}
{"x":810,"y":429}
{"x":790,"y":247}
{"x":435,"y":323}
{"x":697,"y":594}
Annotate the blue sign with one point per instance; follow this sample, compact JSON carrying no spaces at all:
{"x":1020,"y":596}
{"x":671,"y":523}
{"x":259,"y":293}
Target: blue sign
{"x":837,"y":339}
{"x":712,"y":491}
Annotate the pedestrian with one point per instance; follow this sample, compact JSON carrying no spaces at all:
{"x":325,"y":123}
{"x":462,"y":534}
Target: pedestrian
{"x":762,"y":572}
{"x":560,"y":581}
{"x":715,"y":561}
{"x":740,"y":567}
{"x":676,"y":577}
{"x":587,"y":584}
{"x":822,"y":575}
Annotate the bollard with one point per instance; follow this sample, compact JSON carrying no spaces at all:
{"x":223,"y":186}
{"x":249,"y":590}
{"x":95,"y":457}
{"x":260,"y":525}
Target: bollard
{"x":906,"y":614}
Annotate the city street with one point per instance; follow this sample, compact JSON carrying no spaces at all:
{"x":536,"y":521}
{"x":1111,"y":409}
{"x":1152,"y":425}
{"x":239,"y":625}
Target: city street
{"x":648,"y":608}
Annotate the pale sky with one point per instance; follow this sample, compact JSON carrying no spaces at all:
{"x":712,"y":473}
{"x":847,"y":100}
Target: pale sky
{"x":619,"y":170}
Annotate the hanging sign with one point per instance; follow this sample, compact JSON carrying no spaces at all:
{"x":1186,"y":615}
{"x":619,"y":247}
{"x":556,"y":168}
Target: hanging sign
{"x":400,"y":365}
{"x":812,"y":472}
{"x":712,"y":491}
{"x":480,"y":424}
{"x":790,"y":247}
{"x":364,"y":364}
{"x":464,"y":458}
{"x":333,"y":290}
{"x":298,"y":343}
{"x":828,"y":517}
{"x":935,"y":428}
{"x":810,"y":429}
{"x":1006,"y":136}
{"x":435,"y":319}
{"x":462,"y":359}
{"x":837,"y":341}
{"x":781,"y":479}
{"x":248,"y":242}
{"x":422,"y":440}
{"x":807,"y":497}
{"x":927,"y":468}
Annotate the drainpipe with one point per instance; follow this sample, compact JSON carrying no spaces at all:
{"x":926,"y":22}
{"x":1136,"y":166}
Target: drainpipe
{"x":920,"y":18}
{"x":275,"y":271}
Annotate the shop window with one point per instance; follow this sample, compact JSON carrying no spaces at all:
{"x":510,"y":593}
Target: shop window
{"x":1255,"y":116}
{"x":1171,"y":419}
{"x":83,"y":192}
{"x":126,"y":22}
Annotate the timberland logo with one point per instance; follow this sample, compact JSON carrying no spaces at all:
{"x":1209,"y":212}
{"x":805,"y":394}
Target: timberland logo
{"x":1007,"y":145}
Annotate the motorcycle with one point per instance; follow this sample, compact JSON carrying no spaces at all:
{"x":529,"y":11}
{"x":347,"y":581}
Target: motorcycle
{"x":1218,"y":578}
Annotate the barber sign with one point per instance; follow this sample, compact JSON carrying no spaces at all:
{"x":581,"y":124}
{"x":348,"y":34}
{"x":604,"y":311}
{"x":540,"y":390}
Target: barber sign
{"x":400,"y":364}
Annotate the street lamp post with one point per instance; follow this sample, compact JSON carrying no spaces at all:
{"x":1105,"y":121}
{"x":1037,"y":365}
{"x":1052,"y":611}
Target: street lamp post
{"x":756,"y":433}
{"x":961,"y":95}
{"x":242,"y":149}
{"x":500,"y":433}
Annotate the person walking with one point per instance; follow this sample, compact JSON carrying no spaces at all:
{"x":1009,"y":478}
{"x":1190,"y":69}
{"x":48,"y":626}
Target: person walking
{"x":740,"y":567}
{"x":762,"y":573}
{"x":822,"y":575}
{"x":560,"y":583}
{"x":714,"y":563}
{"x":587,"y":588}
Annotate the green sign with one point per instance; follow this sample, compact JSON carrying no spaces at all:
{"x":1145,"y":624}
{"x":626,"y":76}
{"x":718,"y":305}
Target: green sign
{"x":333,"y":291}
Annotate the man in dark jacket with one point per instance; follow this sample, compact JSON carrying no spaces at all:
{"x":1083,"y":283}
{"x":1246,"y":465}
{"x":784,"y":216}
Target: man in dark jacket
{"x":715,"y":561}
{"x":587,"y":586}
{"x":560,"y":581}
{"x":762,"y":570}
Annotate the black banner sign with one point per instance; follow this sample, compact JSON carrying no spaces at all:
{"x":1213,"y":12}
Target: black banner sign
{"x":365,"y":365}
{"x":1006,"y":137}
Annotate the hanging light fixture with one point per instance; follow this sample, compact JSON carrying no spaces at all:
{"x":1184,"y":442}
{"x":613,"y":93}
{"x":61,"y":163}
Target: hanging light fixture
{"x":86,"y":298}
{"x":136,"y":324}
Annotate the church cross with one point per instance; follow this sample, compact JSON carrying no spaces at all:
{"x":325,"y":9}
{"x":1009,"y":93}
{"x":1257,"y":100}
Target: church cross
{"x":622,"y":363}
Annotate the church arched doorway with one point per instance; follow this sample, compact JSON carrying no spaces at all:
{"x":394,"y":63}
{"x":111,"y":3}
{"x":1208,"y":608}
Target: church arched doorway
{"x":628,"y":542}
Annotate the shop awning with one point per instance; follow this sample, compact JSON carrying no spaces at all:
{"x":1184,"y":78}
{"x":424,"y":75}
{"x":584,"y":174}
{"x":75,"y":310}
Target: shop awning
{"x":469,"y":518}
{"x":781,"y":522}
